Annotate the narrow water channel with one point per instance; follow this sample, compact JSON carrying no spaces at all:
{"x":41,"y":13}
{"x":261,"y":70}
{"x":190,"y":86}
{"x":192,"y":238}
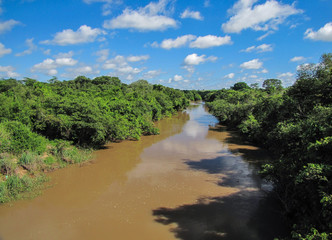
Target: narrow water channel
{"x":193,"y":181}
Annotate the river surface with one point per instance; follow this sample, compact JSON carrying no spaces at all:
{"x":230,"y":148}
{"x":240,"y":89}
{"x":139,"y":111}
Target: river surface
{"x":193,"y":181}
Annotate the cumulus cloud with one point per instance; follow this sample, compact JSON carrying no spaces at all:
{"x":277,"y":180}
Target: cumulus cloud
{"x":79,"y":71}
{"x":152,"y":17}
{"x":178,"y":42}
{"x":260,"y":48}
{"x":31,"y":48}
{"x":4,"y":50}
{"x":84,"y":34}
{"x":298,"y":59}
{"x":323,"y":34}
{"x":102,"y":55}
{"x":286,"y":75}
{"x":8,"y":25}
{"x":151,"y":74}
{"x":194,"y":59}
{"x":138,"y":58}
{"x":8,"y":72}
{"x":177,"y":78}
{"x":122,"y":68}
{"x":210,"y":41}
{"x":230,"y":76}
{"x":192,"y":14}
{"x":261,"y":17}
{"x":194,"y":42}
{"x":49,"y":66}
{"x":252,"y":64}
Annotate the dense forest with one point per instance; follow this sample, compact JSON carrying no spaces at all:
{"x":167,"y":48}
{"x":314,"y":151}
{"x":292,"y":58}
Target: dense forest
{"x":44,"y":126}
{"x":296,"y":125}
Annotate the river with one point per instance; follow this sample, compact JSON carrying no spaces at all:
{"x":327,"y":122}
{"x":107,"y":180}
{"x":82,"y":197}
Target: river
{"x":193,"y":181}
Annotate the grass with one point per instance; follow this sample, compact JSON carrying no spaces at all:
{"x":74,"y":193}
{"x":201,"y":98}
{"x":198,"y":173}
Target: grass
{"x":21,"y":175}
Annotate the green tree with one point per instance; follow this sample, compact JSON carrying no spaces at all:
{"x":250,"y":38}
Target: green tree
{"x":272,"y":85}
{"x":240,"y":86}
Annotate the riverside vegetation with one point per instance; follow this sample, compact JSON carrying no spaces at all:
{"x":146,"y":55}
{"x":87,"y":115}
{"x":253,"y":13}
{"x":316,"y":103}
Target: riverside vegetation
{"x":45,"y":126}
{"x":296,"y":125}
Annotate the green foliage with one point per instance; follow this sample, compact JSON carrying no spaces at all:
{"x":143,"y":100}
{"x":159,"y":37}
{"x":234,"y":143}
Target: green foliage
{"x":16,"y":187}
{"x":7,"y":165}
{"x":49,"y":160}
{"x":272,"y":85}
{"x":296,"y":125}
{"x":240,"y":86}
{"x":17,"y":137}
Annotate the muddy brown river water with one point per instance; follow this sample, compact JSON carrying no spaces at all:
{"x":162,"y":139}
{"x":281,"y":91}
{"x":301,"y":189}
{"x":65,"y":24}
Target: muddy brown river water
{"x":193,"y":181}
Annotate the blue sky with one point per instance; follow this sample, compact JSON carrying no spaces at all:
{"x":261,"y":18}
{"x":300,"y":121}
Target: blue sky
{"x":199,"y":44}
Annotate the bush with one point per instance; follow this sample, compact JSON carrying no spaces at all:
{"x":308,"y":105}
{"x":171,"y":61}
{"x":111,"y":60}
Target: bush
{"x":19,"y":138}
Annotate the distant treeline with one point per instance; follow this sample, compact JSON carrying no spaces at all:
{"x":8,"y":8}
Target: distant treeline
{"x":295,"y":123}
{"x":47,"y":125}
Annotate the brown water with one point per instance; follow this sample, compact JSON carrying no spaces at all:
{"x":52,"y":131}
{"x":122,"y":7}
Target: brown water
{"x":193,"y":181}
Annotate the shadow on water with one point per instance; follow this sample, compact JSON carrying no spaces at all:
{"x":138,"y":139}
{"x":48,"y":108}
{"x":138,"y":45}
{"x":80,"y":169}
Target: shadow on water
{"x":224,"y":218}
{"x":252,"y":213}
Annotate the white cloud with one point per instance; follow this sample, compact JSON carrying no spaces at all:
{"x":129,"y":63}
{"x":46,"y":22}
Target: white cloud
{"x":261,"y":17}
{"x":8,"y":72}
{"x":178,"y":78}
{"x":265,"y":35}
{"x":8,"y":25}
{"x":178,"y":42}
{"x":298,"y":59}
{"x":65,"y":62}
{"x":323,"y":34}
{"x":138,"y":58}
{"x":149,"y":18}
{"x":121,"y":67}
{"x":286,"y":75}
{"x":49,"y":66}
{"x":193,"y":41}
{"x":84,"y":34}
{"x":107,"y":6}
{"x":189,"y":68}
{"x":210,"y":41}
{"x":230,"y":76}
{"x":253,"y":76}
{"x":192,"y":14}
{"x":102,"y":54}
{"x":287,"y":78}
{"x":4,"y":50}
{"x":260,"y":48}
{"x":80,"y":71}
{"x":151,"y":74}
{"x":64,"y":55}
{"x":31,"y":48}
{"x":264,"y":71}
{"x":194,"y":59}
{"x":252,"y":64}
